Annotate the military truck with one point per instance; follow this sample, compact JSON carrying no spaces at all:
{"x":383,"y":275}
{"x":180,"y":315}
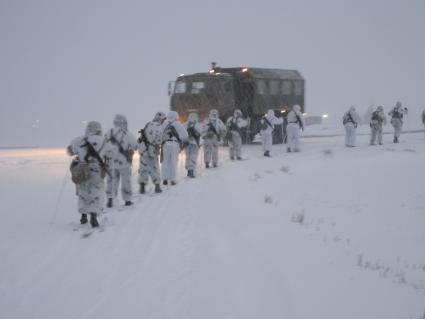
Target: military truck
{"x":253,"y":90}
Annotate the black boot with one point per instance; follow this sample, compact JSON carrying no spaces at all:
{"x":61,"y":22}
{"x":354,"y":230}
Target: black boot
{"x":232,"y":158}
{"x":239,"y":158}
{"x":191,"y":173}
{"x":158,"y":188}
{"x":110,"y":203}
{"x":128,"y":203}
{"x":83,"y":219}
{"x":214,"y":164}
{"x":165,"y":182}
{"x":207,"y":165}
{"x":267,"y":153}
{"x":93,"y":220}
{"x":173,"y":183}
{"x":188,"y":173}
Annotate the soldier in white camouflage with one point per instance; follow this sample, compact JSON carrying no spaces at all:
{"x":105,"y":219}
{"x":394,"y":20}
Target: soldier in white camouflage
{"x":88,"y":150}
{"x":119,"y":150}
{"x":350,"y":120}
{"x":174,"y":137}
{"x":377,"y":121}
{"x":397,"y":120}
{"x":234,"y":125}
{"x":194,"y":130}
{"x":423,"y":117}
{"x":149,"y":149}
{"x":295,"y":121}
{"x":212,"y":132}
{"x":267,"y":126}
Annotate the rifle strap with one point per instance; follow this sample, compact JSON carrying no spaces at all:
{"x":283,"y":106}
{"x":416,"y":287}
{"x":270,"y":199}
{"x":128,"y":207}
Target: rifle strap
{"x":114,"y":140}
{"x":268,"y":122}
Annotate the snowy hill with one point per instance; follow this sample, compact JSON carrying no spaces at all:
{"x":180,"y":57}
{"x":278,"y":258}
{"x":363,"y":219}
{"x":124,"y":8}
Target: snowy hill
{"x":330,"y":232}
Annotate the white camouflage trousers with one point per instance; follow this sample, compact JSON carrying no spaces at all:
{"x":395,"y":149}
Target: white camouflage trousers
{"x":293,"y":140}
{"x":149,"y":166}
{"x":113,"y":183}
{"x":350,"y":135}
{"x":235,"y":148}
{"x":171,"y":150}
{"x":211,"y":150}
{"x":398,"y":125}
{"x":191,"y":151}
{"x":267,"y":140}
{"x":91,"y":193}
{"x":376,"y":131}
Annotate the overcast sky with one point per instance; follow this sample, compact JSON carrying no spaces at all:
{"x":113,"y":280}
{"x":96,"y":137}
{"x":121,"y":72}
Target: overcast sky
{"x":64,"y":62}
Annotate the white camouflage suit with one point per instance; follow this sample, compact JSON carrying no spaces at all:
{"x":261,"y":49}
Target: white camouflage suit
{"x":295,"y":121}
{"x":423,"y":117}
{"x":377,"y":121}
{"x":213,"y":129}
{"x":91,"y":193}
{"x":119,"y":147}
{"x":149,"y":150}
{"x":267,"y":125}
{"x":351,"y":121}
{"x":397,"y":120}
{"x":234,"y":124}
{"x":171,"y":147}
{"x":194,"y":131}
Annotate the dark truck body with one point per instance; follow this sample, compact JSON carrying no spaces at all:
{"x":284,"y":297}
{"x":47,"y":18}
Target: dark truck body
{"x":253,"y":90}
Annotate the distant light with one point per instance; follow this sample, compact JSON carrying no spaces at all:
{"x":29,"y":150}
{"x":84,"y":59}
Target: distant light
{"x":181,"y":74}
{"x":218,"y":73}
{"x":245,"y":70}
{"x":325,"y":116}
{"x":305,"y":114}
{"x":283,"y":111}
{"x":211,"y":71}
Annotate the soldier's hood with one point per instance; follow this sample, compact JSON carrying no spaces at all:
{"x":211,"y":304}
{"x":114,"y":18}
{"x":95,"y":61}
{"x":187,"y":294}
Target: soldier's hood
{"x":296,"y":108}
{"x":93,"y":128}
{"x":172,"y":116}
{"x":120,"y":121}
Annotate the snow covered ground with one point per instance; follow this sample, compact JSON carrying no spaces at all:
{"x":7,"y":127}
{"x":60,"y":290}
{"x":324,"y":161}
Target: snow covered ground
{"x":330,"y":232}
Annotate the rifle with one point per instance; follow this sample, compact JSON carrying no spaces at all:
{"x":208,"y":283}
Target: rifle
{"x":173,"y":133}
{"x":120,"y":148}
{"x":211,"y":128}
{"x":351,"y":119}
{"x":234,"y":127}
{"x":143,"y":139}
{"x":92,"y":152}
{"x":299,"y":121}
{"x":193,"y":133}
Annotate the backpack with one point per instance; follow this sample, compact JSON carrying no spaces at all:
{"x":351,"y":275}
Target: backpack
{"x":79,"y":171}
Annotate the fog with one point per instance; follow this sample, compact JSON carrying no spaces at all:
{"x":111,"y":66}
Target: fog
{"x":65,"y":62}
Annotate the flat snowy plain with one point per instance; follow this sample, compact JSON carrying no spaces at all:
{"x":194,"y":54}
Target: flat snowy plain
{"x":330,"y":232}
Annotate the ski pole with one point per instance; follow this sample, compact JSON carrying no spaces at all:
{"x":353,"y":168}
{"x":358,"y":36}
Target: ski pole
{"x":55,"y":211}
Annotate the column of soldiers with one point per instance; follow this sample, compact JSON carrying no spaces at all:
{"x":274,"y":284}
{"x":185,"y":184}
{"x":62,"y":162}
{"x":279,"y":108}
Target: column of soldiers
{"x":98,"y":155}
{"x":378,"y":119}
